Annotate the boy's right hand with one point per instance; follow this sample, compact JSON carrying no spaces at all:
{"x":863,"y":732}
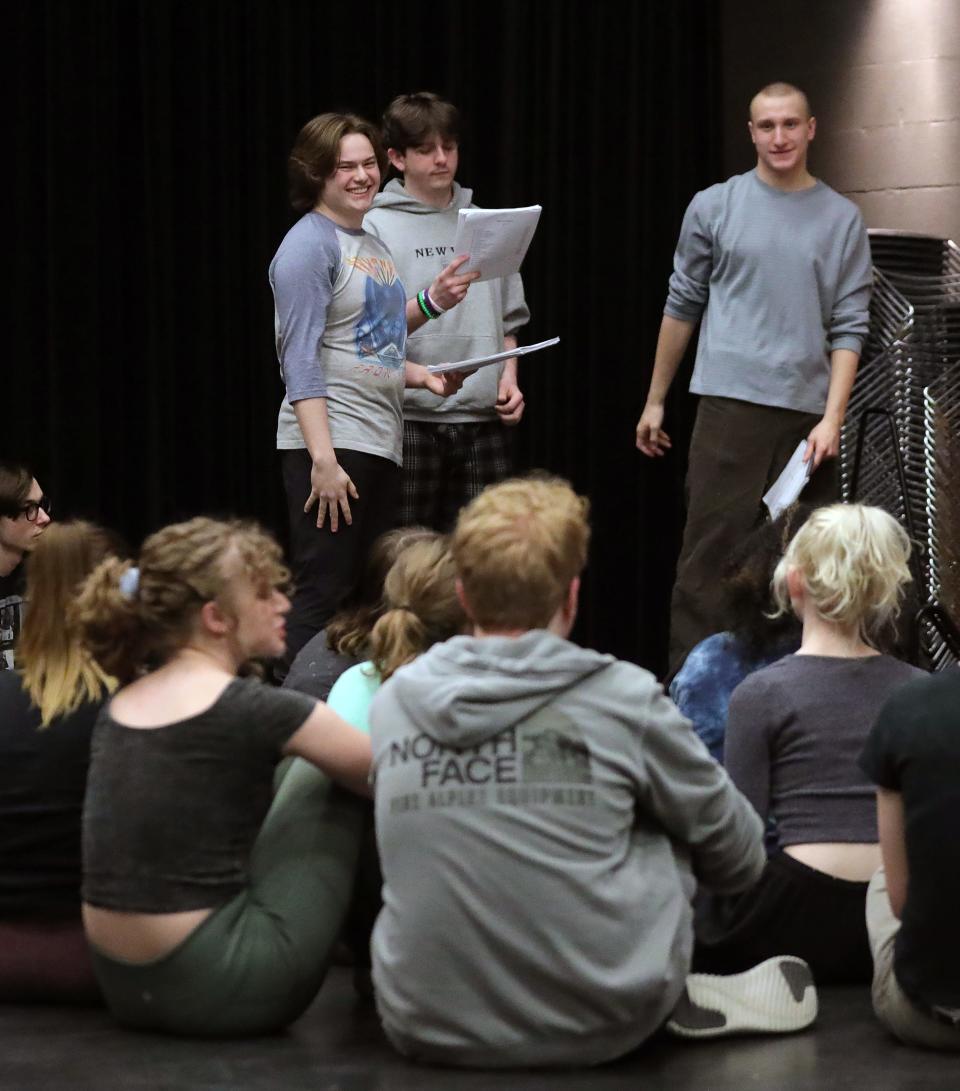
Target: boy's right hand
{"x":651,"y":438}
{"x":450,"y":287}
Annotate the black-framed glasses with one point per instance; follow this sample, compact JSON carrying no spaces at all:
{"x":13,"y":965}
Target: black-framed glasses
{"x":32,"y":508}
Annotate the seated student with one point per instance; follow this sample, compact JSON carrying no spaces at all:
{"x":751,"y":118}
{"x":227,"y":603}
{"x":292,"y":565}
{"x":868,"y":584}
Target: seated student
{"x":201,"y":921}
{"x":47,"y":710}
{"x":343,"y":643}
{"x":24,"y":515}
{"x":794,"y":733}
{"x":913,"y":755}
{"x":420,"y":607}
{"x":756,"y":637}
{"x":542,"y":812}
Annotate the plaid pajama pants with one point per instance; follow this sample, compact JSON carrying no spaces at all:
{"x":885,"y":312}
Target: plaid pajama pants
{"x":446,"y":465}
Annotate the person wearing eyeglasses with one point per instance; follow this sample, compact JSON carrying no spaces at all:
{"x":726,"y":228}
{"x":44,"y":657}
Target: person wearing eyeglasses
{"x":24,"y":515}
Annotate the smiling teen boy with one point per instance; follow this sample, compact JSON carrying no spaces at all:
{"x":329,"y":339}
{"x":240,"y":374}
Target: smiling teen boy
{"x":341,"y":323}
{"x":778,"y":265}
{"x":24,"y":516}
{"x":452,"y":448}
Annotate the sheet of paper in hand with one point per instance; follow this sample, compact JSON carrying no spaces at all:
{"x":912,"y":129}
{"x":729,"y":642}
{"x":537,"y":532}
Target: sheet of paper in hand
{"x":789,"y":484}
{"x":496,"y":239}
{"x":482,"y":361}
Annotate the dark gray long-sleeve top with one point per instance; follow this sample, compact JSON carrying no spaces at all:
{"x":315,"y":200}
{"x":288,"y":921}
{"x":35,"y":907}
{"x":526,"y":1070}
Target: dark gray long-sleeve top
{"x":795,"y":732}
{"x":781,"y":279}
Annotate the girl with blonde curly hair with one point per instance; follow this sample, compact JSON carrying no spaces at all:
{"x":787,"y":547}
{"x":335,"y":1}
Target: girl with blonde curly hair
{"x":205,"y":913}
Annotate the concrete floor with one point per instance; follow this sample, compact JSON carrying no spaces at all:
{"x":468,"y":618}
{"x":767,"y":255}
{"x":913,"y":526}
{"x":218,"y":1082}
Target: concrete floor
{"x":338,"y":1045}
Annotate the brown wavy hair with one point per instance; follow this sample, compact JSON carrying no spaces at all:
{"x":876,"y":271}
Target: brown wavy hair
{"x":313,"y":158}
{"x":349,"y":629}
{"x":749,"y":609}
{"x":411,"y":119}
{"x":422,"y":606}
{"x":181,"y":567}
{"x":15,"y":482}
{"x":58,"y":671}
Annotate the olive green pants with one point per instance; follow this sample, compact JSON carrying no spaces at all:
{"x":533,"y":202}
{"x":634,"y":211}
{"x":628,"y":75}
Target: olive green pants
{"x":256,"y":963}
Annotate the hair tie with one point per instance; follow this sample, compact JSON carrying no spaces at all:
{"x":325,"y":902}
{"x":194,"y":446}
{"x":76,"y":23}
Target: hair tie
{"x":130,"y":582}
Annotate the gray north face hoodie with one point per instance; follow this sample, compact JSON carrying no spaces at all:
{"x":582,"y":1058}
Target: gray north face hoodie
{"x":541,"y":811}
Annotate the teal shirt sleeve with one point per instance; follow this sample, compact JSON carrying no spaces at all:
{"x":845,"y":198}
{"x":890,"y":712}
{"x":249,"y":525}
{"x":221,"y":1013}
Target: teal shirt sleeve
{"x":352,"y":693}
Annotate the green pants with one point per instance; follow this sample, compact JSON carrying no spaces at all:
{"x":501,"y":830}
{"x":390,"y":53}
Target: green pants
{"x":256,"y":963}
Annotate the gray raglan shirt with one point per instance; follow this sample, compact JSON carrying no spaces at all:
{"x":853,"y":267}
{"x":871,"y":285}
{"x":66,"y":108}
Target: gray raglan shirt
{"x":341,"y":327}
{"x":541,"y":813}
{"x":783,"y":278}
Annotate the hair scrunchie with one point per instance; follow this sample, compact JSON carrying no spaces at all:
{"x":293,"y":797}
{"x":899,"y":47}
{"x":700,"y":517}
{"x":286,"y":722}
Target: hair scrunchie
{"x":130,"y":582}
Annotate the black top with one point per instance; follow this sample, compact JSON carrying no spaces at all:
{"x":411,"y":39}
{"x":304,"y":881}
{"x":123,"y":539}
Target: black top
{"x":914,"y":749}
{"x":316,"y":667}
{"x":43,"y":775}
{"x":795,"y":731}
{"x":172,"y":812}
{"x":11,"y":612}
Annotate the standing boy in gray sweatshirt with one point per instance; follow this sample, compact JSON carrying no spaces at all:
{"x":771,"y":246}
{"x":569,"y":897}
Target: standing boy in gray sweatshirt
{"x":452,"y":448}
{"x":543,"y":816}
{"x":778,"y":265}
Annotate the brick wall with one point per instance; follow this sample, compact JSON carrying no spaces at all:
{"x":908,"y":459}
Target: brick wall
{"x":883,"y":77}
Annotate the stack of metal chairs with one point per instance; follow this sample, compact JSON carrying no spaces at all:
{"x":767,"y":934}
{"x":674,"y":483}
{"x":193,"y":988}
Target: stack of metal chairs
{"x":900,"y":447}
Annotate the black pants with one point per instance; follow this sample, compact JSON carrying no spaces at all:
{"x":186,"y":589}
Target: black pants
{"x":793,"y":910}
{"x":327,"y":566}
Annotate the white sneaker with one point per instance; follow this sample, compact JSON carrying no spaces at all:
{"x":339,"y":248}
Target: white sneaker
{"x":772,"y":998}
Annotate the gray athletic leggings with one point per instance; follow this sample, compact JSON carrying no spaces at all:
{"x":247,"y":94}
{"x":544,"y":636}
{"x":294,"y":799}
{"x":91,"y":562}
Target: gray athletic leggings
{"x":256,"y":963}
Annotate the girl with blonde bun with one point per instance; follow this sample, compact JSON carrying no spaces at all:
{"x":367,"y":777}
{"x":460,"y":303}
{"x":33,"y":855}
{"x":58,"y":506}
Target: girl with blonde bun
{"x":205,"y":913}
{"x":422,"y":609}
{"x":795,"y":732}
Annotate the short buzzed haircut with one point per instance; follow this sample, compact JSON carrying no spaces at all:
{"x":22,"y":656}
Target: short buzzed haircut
{"x":780,"y":89}
{"x":517,"y":548}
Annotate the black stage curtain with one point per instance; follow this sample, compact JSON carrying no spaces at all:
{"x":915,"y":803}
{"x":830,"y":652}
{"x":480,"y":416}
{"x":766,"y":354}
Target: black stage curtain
{"x":148,"y":144}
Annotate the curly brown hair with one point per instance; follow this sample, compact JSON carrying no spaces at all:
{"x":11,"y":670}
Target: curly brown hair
{"x":349,"y":629}
{"x":749,"y":608}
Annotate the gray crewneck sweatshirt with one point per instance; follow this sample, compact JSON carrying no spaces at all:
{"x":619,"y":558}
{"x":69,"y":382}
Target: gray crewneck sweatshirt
{"x":420,"y":238}
{"x":541,"y":813}
{"x":784,"y":277}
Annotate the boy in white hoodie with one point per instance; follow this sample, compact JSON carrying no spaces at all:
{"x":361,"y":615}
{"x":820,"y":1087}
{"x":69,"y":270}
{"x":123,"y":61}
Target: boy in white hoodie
{"x":543,"y":816}
{"x":452,"y":448}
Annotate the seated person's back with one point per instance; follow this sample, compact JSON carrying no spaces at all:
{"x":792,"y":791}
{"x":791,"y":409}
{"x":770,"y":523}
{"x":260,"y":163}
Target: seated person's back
{"x":541,"y":812}
{"x":47,"y":712}
{"x":913,"y":754}
{"x":795,"y":731}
